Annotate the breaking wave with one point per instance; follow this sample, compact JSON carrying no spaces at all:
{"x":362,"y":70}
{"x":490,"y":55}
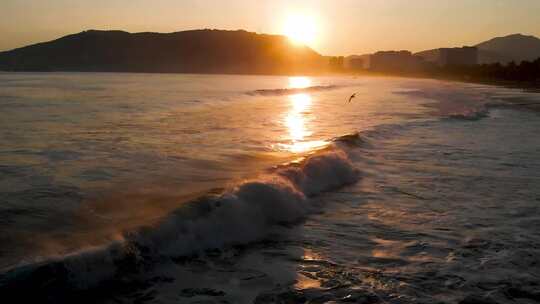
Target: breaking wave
{"x":245,"y":213}
{"x":472,"y":114}
{"x":290,"y":91}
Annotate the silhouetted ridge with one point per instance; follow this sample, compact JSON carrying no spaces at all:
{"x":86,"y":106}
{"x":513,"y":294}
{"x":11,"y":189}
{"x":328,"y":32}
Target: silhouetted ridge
{"x":197,"y":51}
{"x":516,"y":47}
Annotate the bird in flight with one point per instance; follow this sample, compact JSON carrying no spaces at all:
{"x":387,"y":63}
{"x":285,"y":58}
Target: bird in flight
{"x":351,"y":98}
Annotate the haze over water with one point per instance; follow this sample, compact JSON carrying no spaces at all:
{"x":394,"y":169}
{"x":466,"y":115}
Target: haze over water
{"x":260,"y":188}
{"x":97,"y":139}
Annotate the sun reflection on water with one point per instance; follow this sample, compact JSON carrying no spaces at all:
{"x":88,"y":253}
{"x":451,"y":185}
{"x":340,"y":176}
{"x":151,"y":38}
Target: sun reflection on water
{"x":299,"y":82}
{"x":305,"y":279}
{"x":296,"y":120}
{"x":299,"y":118}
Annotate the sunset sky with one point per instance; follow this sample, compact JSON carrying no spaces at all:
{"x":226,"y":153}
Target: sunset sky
{"x":334,"y":27}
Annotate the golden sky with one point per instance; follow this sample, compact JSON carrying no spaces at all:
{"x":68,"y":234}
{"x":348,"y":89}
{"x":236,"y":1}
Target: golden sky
{"x":333,"y":27}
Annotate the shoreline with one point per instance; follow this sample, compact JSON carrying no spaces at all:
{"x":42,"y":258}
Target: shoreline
{"x":524,"y":86}
{"x":530,"y":87}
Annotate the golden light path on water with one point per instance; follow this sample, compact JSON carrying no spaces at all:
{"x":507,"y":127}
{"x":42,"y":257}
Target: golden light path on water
{"x":299,"y":82}
{"x":299,"y":117}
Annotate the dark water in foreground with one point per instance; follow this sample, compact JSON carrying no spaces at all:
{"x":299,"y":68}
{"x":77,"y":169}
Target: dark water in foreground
{"x":236,"y":189}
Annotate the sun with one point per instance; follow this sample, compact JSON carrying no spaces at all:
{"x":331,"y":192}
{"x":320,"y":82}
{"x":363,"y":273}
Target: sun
{"x":300,"y":29}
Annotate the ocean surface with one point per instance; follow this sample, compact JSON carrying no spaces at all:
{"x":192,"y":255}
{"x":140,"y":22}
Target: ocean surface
{"x":154,"y":188}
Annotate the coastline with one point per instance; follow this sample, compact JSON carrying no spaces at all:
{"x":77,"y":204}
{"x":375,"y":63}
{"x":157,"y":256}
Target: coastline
{"x":529,"y":87}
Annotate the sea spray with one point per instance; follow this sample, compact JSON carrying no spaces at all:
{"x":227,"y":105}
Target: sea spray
{"x":245,"y":213}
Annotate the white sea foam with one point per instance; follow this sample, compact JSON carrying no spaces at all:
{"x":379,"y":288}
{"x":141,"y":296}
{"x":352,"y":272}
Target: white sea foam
{"x":248,"y":211}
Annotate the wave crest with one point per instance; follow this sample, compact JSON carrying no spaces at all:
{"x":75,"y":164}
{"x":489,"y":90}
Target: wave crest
{"x":247,"y":212}
{"x":472,"y":115}
{"x":290,"y":91}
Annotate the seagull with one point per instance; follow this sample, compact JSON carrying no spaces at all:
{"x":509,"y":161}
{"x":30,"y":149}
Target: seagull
{"x":351,"y":98}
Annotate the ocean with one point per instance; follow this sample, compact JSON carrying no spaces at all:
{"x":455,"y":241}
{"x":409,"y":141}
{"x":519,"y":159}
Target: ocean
{"x":167,"y":188}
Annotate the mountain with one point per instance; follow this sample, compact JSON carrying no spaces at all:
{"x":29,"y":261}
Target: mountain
{"x":515,"y":47}
{"x":197,"y":51}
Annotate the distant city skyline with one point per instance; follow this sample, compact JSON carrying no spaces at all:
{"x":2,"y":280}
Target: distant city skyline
{"x":335,"y":27}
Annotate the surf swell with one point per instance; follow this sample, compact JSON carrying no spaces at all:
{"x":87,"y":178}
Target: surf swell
{"x":290,"y":91}
{"x":471,"y":114}
{"x":245,"y":213}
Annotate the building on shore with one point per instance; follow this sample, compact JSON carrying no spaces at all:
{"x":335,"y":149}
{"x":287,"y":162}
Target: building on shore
{"x":357,"y":62}
{"x":396,"y":61}
{"x":405,"y":62}
{"x":458,"y":56}
{"x":451,"y":56}
{"x":336,"y":63}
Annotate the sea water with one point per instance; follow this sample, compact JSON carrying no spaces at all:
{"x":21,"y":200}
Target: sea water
{"x":240,"y":189}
